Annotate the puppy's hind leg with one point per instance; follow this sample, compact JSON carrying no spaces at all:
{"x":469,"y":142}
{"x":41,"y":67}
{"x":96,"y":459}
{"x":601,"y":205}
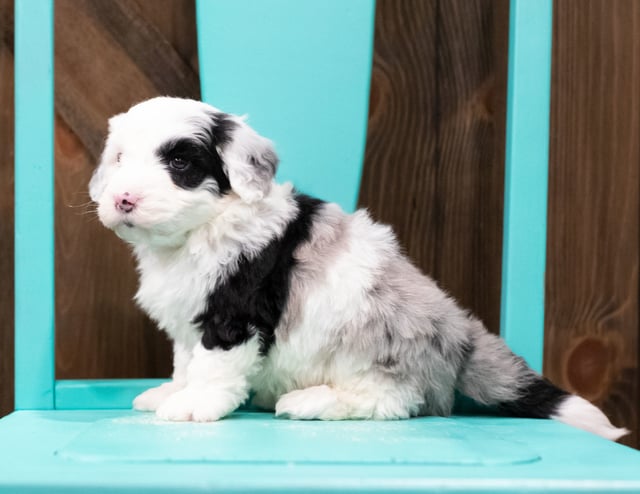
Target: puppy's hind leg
{"x":317,"y":402}
{"x":340,"y":403}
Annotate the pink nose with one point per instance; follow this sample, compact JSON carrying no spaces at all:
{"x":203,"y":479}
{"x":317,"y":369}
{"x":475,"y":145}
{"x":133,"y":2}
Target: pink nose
{"x":126,"y":202}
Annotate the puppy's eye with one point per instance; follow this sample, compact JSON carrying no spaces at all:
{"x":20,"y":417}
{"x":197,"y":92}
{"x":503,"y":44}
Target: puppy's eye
{"x":118,"y":156}
{"x":178,"y":163}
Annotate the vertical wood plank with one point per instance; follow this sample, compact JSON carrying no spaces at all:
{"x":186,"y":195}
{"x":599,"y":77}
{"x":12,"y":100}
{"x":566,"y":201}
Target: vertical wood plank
{"x":435,"y":147}
{"x":6,"y":206}
{"x":592,"y":344}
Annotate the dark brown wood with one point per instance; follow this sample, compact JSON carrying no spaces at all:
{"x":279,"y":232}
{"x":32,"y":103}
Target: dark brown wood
{"x":175,"y":19}
{"x":433,"y":166}
{"x":6,"y":206}
{"x":592,"y":344}
{"x":108,"y":57}
{"x":112,"y":56}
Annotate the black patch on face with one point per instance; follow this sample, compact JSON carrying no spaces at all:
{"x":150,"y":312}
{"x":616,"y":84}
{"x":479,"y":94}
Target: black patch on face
{"x":253,"y":298}
{"x":191,"y":160}
{"x":539,"y":399}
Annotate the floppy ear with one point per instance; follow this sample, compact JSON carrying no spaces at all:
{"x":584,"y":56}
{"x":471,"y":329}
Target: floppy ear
{"x":251,"y":163}
{"x":98,"y":182}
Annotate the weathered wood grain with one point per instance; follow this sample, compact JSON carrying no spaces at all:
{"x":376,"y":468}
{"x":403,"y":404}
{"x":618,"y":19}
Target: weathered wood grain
{"x":592,"y":344}
{"x":433,"y":165}
{"x":6,"y":206}
{"x":175,"y":19}
{"x":108,"y":57}
{"x":148,"y":47}
{"x":112,"y":56}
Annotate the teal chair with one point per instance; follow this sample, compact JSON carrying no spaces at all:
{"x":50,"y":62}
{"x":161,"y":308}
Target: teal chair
{"x":81,"y":436}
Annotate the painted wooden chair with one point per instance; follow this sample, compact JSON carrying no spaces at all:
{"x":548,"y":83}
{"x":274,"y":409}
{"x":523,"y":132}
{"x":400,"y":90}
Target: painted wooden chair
{"x":82,"y":436}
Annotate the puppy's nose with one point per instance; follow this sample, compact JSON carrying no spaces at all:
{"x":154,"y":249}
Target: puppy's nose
{"x":126,"y":202}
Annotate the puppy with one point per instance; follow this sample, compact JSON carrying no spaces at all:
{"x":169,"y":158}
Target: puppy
{"x":263,"y":288}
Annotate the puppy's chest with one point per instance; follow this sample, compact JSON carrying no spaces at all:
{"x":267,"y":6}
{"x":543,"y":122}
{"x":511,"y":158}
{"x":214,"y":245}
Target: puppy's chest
{"x":174,"y":293}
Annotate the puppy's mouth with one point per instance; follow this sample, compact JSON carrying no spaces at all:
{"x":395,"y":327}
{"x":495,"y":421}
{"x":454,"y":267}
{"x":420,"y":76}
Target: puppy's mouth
{"x":124,"y":227}
{"x":120,"y":222}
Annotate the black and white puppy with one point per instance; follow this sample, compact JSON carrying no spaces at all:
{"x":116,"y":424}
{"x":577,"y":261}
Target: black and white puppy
{"x":265,"y":289}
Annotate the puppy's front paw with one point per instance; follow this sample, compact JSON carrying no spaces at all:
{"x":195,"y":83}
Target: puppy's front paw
{"x":200,"y":404}
{"x":151,"y":399}
{"x":178,"y":407}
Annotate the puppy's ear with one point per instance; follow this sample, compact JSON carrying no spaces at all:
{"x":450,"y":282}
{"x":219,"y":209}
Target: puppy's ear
{"x":98,"y":182}
{"x":251,"y":163}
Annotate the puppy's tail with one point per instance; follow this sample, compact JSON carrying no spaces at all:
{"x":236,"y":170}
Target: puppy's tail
{"x":493,"y":375}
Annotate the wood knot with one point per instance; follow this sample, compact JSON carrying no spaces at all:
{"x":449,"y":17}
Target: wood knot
{"x":588,"y":368}
{"x":380,"y":93}
{"x":483,"y":101}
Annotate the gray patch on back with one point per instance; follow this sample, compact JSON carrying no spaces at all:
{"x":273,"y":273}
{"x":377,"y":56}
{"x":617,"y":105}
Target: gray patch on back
{"x":325,"y":244}
{"x":406,"y":327}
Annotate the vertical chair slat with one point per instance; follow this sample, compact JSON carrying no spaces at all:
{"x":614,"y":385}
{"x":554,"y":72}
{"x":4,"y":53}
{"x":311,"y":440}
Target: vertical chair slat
{"x":525,"y":206}
{"x":34,"y":233}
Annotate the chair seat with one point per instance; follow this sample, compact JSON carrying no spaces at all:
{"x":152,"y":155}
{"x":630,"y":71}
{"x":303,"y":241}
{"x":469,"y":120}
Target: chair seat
{"x":127,"y":451}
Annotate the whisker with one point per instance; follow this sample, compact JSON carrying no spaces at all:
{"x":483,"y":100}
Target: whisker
{"x":84,"y":204}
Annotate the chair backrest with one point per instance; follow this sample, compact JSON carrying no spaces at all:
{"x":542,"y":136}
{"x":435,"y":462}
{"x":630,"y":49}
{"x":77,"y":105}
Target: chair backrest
{"x":302,"y":71}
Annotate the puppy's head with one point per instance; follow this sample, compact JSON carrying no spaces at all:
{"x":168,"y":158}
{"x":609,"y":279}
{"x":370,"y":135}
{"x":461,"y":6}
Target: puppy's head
{"x":170,"y":163}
